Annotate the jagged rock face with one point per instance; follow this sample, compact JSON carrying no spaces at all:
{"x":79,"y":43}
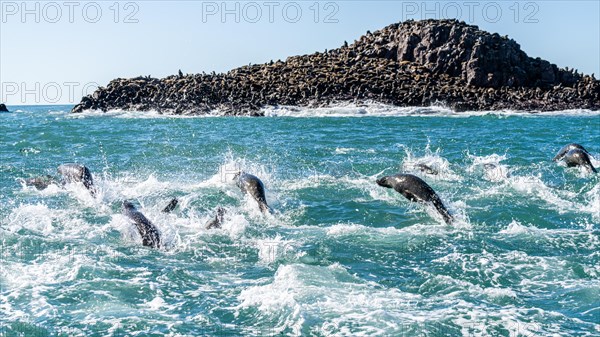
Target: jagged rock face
{"x":410,"y":64}
{"x":459,"y":50}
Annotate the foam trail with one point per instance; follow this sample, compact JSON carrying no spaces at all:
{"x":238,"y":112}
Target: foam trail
{"x":441,"y":168}
{"x":534,"y":185}
{"x":372,"y":109}
{"x":491,"y":165}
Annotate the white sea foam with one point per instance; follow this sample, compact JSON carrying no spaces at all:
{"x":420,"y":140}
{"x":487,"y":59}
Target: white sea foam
{"x":346,"y":150}
{"x":491,"y":165}
{"x":434,"y":160}
{"x":347,"y":109}
{"x":354,"y":110}
{"x":49,"y":267}
{"x":535,"y":186}
{"x":300,"y":296}
{"x":330,"y":301}
{"x":551,"y":239}
{"x":33,"y":217}
{"x":593,"y":207}
{"x":234,"y":223}
{"x":133,"y":114}
{"x":271,"y":250}
{"x":371,"y":109}
{"x":381,"y":233}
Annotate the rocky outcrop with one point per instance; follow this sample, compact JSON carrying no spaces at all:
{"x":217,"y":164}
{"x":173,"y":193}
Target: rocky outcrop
{"x":459,"y":50}
{"x":415,"y":63}
{"x":3,"y":108}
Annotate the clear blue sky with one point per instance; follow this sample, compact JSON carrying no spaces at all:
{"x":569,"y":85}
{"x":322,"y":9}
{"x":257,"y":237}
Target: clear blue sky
{"x":73,"y":45}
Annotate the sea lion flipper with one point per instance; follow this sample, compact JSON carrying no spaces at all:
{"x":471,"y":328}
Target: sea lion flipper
{"x":264,"y":207}
{"x":589,"y":166}
{"x":439,"y":206}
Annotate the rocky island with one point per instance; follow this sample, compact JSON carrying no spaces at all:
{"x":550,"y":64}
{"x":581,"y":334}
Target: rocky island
{"x":413,"y":63}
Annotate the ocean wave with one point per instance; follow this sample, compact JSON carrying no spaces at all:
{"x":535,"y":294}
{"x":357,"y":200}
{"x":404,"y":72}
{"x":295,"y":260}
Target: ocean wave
{"x":326,"y":301}
{"x":383,"y":110}
{"x":431,"y":163}
{"x":342,"y":109}
{"x":330,"y":301}
{"x":339,"y":256}
{"x":129,"y":114}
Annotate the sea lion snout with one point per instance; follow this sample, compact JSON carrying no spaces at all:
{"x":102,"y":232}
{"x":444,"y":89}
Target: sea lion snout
{"x":382,"y":182}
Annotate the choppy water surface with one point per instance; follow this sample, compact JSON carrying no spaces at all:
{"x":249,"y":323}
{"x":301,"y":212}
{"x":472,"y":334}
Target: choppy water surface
{"x":340,"y":256}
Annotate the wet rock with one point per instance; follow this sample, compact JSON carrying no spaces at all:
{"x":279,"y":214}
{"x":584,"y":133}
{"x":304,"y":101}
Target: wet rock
{"x":3,"y":108}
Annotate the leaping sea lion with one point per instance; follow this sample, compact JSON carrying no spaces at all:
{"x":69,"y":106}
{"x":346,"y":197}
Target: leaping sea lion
{"x":68,"y":173}
{"x":575,"y":155}
{"x":252,"y":186}
{"x":416,"y":190}
{"x":147,"y":230}
{"x":73,"y":172}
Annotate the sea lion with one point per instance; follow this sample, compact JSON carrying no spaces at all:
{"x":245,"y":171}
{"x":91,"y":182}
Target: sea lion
{"x":251,"y":185}
{"x":72,"y":173}
{"x":217,"y":221}
{"x":171,"y":206}
{"x":426,"y":169}
{"x":566,"y":149}
{"x":575,"y":155}
{"x":415,"y":189}
{"x":578,"y":157}
{"x":147,"y":230}
{"x":69,"y":173}
{"x":39,"y":183}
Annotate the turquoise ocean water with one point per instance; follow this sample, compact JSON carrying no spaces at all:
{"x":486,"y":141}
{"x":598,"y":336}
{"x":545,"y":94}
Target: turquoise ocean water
{"x":340,"y":256}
